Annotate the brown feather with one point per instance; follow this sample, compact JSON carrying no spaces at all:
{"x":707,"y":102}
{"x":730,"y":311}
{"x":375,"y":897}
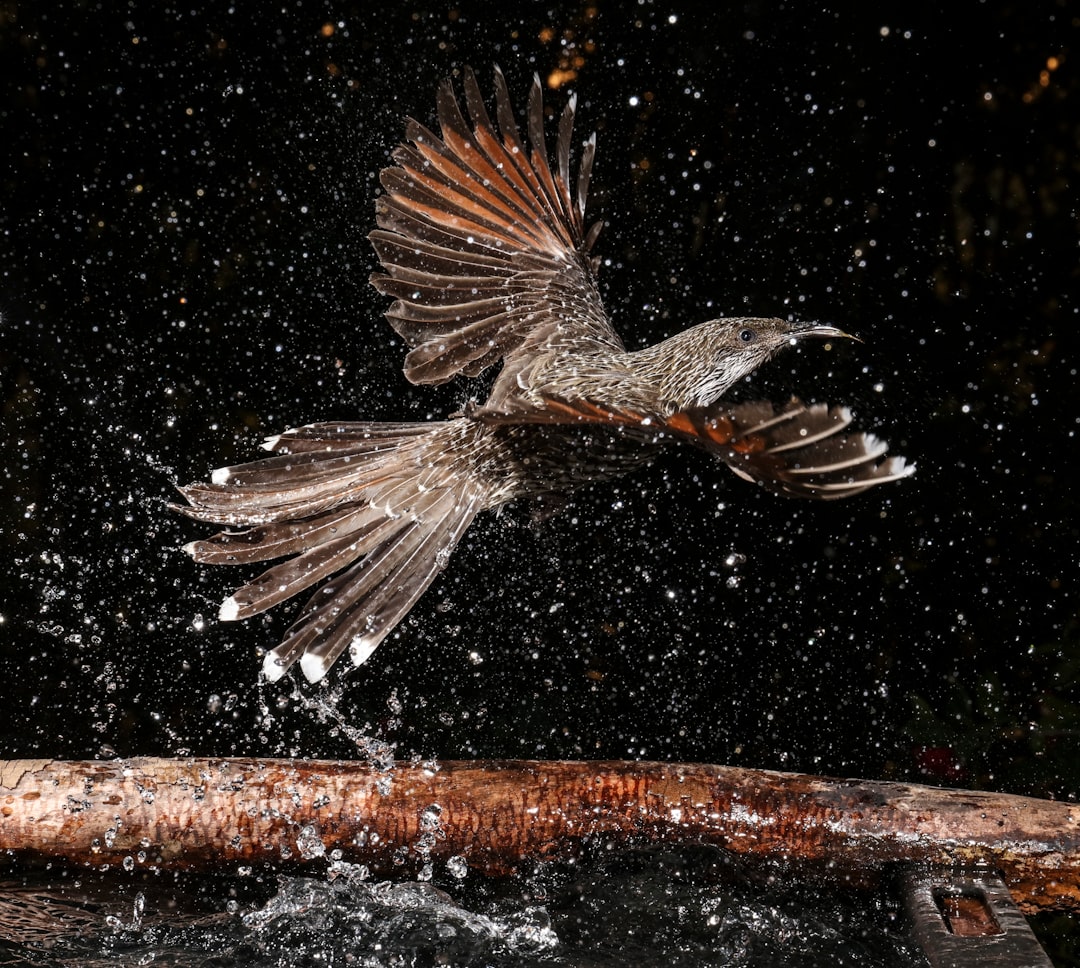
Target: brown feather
{"x":476,"y":234}
{"x":799,"y":450}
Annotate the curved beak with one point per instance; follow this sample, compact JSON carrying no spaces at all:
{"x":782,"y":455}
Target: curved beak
{"x":821,"y":331}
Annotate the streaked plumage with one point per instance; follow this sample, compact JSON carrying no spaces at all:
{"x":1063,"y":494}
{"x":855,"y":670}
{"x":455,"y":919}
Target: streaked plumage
{"x":485,"y":251}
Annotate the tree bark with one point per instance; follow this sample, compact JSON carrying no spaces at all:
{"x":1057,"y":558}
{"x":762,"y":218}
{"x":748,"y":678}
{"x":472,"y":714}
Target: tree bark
{"x":199,"y":813}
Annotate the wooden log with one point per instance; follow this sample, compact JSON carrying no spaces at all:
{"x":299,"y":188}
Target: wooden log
{"x":202,"y":813}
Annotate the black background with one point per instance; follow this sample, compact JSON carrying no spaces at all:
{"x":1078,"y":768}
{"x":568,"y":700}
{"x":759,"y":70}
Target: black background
{"x":183,"y":270}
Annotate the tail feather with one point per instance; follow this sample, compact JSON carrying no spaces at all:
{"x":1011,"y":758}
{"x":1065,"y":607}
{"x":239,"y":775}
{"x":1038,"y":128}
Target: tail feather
{"x":361,"y":436}
{"x":371,"y":503}
{"x":245,"y":504}
{"x":387,"y":586}
{"x":294,"y":575}
{"x":304,"y":470}
{"x":336,"y":608}
{"x":281,"y":538}
{"x":316,"y":468}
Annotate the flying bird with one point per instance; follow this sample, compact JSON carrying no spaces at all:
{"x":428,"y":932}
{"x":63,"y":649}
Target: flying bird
{"x":486,"y":253}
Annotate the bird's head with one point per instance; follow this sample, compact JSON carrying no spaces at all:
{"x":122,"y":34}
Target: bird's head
{"x":700,"y":364}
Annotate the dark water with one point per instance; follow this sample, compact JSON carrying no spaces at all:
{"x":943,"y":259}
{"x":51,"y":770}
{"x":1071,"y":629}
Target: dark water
{"x":686,"y":908}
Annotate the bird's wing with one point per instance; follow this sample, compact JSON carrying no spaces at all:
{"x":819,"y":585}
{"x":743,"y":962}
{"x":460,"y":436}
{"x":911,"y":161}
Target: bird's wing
{"x":796,"y":449}
{"x":482,"y":245}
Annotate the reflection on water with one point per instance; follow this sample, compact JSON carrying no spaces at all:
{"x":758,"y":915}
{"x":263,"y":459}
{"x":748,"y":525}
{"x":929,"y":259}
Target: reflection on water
{"x":689,"y":907}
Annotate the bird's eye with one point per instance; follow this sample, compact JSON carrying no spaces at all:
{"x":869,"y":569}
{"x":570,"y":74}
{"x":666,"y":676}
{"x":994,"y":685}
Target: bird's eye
{"x":747,"y":336}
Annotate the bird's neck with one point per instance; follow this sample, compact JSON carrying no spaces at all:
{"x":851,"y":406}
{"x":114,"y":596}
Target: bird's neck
{"x":669,"y":373}
{"x":658,"y":380}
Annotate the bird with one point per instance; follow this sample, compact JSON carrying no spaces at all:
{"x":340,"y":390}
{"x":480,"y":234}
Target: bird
{"x":485,"y":251}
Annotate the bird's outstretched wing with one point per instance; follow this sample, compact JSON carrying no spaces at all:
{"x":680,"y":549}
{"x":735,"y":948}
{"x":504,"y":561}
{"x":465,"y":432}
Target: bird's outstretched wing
{"x":482,"y":245}
{"x":796,"y":449}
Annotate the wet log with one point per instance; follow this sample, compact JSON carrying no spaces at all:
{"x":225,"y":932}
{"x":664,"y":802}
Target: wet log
{"x":495,"y":816}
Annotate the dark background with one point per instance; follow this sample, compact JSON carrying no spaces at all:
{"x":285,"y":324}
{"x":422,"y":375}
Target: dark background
{"x":183,"y":270}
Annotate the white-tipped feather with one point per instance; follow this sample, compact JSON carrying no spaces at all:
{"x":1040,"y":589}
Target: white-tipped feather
{"x":221,"y":475}
{"x":314,"y":667}
{"x":360,"y":649}
{"x":230,"y":610}
{"x":896,"y":470}
{"x":273,"y":668}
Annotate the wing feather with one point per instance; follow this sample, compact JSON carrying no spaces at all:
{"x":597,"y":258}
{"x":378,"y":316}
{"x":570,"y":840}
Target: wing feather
{"x":482,"y":245}
{"x":798,"y":449}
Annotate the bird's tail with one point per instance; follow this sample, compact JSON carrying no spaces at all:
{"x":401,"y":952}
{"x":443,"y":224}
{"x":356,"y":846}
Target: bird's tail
{"x":796,"y":449}
{"x":378,"y":505}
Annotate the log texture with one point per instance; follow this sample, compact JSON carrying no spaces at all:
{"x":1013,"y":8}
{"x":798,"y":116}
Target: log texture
{"x":200,"y":813}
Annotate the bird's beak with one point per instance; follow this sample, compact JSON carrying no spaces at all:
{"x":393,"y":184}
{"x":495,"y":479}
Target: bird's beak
{"x":821,"y":331}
